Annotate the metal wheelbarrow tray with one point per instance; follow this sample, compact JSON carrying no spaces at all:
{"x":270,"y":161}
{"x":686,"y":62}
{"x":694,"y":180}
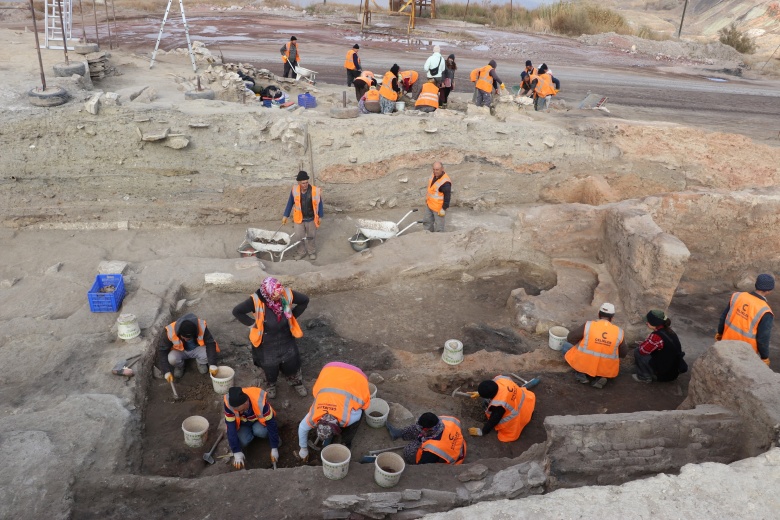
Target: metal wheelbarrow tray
{"x":259,"y":241}
{"x":381,"y":230}
{"x":304,"y":73}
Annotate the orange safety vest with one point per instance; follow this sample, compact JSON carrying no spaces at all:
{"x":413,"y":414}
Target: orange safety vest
{"x":597,"y":353}
{"x":372,"y":95}
{"x":545,"y":86}
{"x":257,"y":398}
{"x":256,"y":332}
{"x":519,"y":404}
{"x":315,"y":200}
{"x":178,"y":344}
{"x":340,"y":389}
{"x":297,"y":52}
{"x":349,"y":62}
{"x":429,"y":96}
{"x":484,"y":81}
{"x":411,"y":75}
{"x":367,"y":77}
{"x":531,"y":74}
{"x":386,"y":89}
{"x":745,"y":312}
{"x":451,"y":447}
{"x":435,"y":198}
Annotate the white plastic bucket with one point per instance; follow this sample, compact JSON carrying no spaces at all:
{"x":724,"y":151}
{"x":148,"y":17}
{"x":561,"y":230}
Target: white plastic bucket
{"x":557,"y":337}
{"x":453,"y":352}
{"x":388,"y":468}
{"x":380,"y":409}
{"x":372,"y":390}
{"x":400,"y":106}
{"x":127,"y":326}
{"x":195,"y":430}
{"x":335,"y":461}
{"x":223,"y":380}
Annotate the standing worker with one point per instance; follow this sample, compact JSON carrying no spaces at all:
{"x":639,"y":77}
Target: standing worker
{"x":594,"y":348}
{"x":340,"y":395}
{"x":748,"y":317}
{"x":187,"y":338}
{"x":273,"y":333}
{"x":434,"y":65}
{"x":352,"y":64}
{"x":435,"y":440}
{"x":428,"y":100}
{"x":290,"y":56}
{"x":508,"y":408}
{"x":447,"y":80}
{"x":487,"y":82}
{"x":251,"y":406}
{"x":388,"y":92}
{"x":306,"y":207}
{"x":437,"y":199}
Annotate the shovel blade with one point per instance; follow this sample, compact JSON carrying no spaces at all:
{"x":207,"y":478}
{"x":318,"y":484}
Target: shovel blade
{"x":208,"y":458}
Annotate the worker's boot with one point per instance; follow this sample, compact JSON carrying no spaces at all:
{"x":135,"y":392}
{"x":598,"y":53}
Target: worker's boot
{"x":271,"y":390}
{"x":599,"y":383}
{"x":178,"y":371}
{"x":203,"y":369}
{"x":581,"y":378}
{"x":296,"y":382}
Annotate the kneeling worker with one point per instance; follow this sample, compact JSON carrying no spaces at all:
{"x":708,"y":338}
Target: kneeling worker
{"x":435,"y":440}
{"x":250,"y":405}
{"x":340,"y":395}
{"x":187,"y":338}
{"x":508,"y":408}
{"x":595,"y":348}
{"x":428,"y":100}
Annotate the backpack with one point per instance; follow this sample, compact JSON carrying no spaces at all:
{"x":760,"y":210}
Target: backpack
{"x":435,"y":70}
{"x":272,"y":92}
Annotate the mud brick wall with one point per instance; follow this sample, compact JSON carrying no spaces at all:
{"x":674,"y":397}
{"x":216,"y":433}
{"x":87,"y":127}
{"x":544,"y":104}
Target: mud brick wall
{"x":616,"y":448}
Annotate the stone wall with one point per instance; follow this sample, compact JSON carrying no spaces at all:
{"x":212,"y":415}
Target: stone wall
{"x":616,"y":448}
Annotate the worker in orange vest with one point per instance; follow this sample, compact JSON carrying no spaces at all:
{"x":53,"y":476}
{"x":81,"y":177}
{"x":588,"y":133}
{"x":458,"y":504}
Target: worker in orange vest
{"x":544,"y":86}
{"x":290,"y":56}
{"x":389,"y":90}
{"x":305,"y":204}
{"x":435,"y":440}
{"x":352,"y":64}
{"x":408,"y":80}
{"x":526,"y":76}
{"x":595,"y":348}
{"x":187,"y":338}
{"x":487,"y":83}
{"x":508,"y":407}
{"x":363,"y":82}
{"x":428,"y":100}
{"x":437,"y":200}
{"x":369,"y":103}
{"x":749,"y":318}
{"x":341,"y":394}
{"x":249,"y":406}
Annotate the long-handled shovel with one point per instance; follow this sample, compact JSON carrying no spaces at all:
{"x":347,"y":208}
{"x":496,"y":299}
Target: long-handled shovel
{"x":527,"y":384}
{"x":208,"y":456}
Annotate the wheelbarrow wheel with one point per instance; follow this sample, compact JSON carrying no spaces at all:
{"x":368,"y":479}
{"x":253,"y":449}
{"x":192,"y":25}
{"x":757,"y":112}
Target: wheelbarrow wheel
{"x":359,"y":242}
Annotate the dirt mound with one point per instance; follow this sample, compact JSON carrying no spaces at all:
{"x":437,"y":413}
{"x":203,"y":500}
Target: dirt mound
{"x":668,"y":50}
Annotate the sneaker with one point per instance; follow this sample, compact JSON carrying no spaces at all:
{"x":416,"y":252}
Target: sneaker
{"x":299,"y":256}
{"x":581,"y":378}
{"x":203,"y":369}
{"x":313,"y":256}
{"x":600,"y":382}
{"x":178,"y":372}
{"x":301,"y":390}
{"x":640,"y":379}
{"x":271,"y":391}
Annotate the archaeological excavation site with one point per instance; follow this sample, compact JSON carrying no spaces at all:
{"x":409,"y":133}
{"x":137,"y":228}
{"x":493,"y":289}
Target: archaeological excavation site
{"x":136,"y":203}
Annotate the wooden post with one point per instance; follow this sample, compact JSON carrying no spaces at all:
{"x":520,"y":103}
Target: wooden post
{"x":679,"y":32}
{"x":37,"y":44}
{"x":62,"y":26}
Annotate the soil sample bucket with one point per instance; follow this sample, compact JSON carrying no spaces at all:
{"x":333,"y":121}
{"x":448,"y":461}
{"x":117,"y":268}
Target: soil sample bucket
{"x":400,"y":106}
{"x":557,"y":337}
{"x":127,"y":326}
{"x":377,"y":412}
{"x":195,"y":430}
{"x":223,"y":380}
{"x":453,"y":352}
{"x":388,"y":469}
{"x":372,"y":390}
{"x":335,"y":461}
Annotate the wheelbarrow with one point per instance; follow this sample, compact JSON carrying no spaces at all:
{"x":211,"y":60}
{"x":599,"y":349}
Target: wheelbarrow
{"x":275,"y":243}
{"x":368,"y":230}
{"x":304,"y":73}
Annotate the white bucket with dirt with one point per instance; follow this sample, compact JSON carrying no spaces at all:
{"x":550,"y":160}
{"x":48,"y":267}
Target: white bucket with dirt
{"x":223,"y":380}
{"x":400,"y":106}
{"x":372,"y":390}
{"x":453,"y":352}
{"x":335,"y":461}
{"x":127,"y":326}
{"x":195,"y":430}
{"x":377,"y":412}
{"x":388,"y":469}
{"x":557,"y":337}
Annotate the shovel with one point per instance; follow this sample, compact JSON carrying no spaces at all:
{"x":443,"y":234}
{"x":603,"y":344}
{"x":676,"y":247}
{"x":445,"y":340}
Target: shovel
{"x":527,"y":384}
{"x":208,"y":456}
{"x":122,"y":368}
{"x":175,"y":394}
{"x":371,"y":457}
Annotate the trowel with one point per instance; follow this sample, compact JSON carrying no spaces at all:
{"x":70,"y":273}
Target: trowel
{"x":122,"y":368}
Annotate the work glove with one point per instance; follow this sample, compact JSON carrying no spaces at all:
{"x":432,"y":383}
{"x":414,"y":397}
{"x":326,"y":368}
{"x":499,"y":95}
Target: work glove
{"x":303,"y":454}
{"x":718,"y":337}
{"x":476,"y":432}
{"x":766,"y":361}
{"x":274,"y":455}
{"x":169,"y":377}
{"x":441,"y":212}
{"x":503,"y":87}
{"x":284,"y":59}
{"x":284,"y":220}
{"x":238,"y":460}
{"x":473,"y":395}
{"x":213,"y":370}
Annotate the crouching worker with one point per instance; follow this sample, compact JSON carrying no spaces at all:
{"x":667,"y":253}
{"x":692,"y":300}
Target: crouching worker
{"x":435,"y":440}
{"x":187,"y":338}
{"x":250,"y":406}
{"x":340,"y":395}
{"x":508,"y":408}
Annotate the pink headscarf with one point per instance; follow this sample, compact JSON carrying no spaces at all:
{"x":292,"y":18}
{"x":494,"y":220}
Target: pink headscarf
{"x":271,"y":287}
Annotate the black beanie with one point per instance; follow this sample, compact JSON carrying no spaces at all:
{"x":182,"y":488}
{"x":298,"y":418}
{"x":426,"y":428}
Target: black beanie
{"x":528,"y":63}
{"x":656,"y":318}
{"x":492,"y":63}
{"x":189,"y":329}
{"x":302,"y":176}
{"x":356,"y":46}
{"x":428,"y":420}
{"x":395,"y":68}
{"x":487,"y":389}
{"x":543,"y":68}
{"x":293,"y":38}
{"x":236,"y":396}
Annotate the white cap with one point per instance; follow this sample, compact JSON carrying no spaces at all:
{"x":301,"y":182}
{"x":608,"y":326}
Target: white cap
{"x":607,"y":308}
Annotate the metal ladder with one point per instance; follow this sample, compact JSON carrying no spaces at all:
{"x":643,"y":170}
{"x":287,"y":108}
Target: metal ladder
{"x":53,"y":33}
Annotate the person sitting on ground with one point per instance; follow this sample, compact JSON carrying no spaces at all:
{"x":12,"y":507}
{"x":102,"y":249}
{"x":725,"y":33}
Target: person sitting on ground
{"x":594,"y":349}
{"x":660,"y":356}
{"x":187,"y":338}
{"x":487,"y":83}
{"x":435,"y":440}
{"x":408,"y":82}
{"x":428,"y":100}
{"x":369,"y":103}
{"x":447,"y":80}
{"x":544,"y":87}
{"x":388,"y":92}
{"x":508,"y":407}
{"x":363,"y":82}
{"x":526,"y":76}
{"x":341,"y":394}
{"x":251,"y":406}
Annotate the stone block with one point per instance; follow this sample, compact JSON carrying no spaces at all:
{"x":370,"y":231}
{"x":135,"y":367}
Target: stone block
{"x":112,"y":267}
{"x":375,"y":378}
{"x":93,"y":103}
{"x":411,"y":494}
{"x":399,"y":416}
{"x":474,"y":486}
{"x":473,"y":472}
{"x":536,"y":475}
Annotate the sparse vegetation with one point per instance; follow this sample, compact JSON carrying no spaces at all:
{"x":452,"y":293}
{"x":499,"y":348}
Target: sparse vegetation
{"x":648,"y":34}
{"x":733,"y":37}
{"x":329,"y":8}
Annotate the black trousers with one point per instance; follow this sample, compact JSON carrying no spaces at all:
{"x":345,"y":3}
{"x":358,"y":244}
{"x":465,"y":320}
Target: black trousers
{"x":351,"y":75}
{"x":288,"y":73}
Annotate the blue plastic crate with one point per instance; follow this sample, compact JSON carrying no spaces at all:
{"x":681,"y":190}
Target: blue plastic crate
{"x":307,"y":100}
{"x":106,"y":301}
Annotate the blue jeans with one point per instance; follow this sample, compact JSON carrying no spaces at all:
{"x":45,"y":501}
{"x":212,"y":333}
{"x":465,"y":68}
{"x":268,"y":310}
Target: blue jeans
{"x":564,"y":349}
{"x":248,"y":431}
